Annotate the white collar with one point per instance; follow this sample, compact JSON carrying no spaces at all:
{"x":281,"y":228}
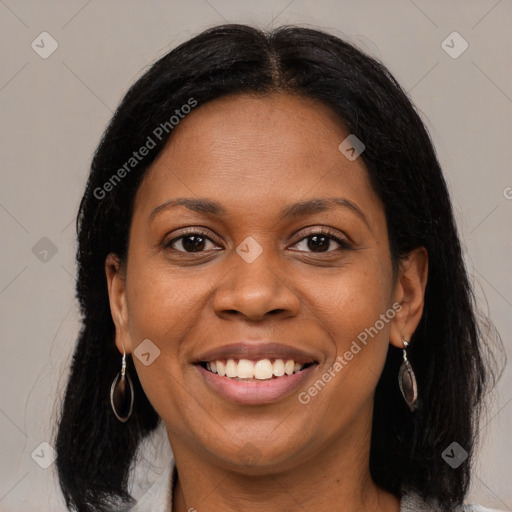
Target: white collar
{"x":159,"y":496}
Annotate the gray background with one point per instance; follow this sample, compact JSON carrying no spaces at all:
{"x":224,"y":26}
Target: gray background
{"x":54,"y":110}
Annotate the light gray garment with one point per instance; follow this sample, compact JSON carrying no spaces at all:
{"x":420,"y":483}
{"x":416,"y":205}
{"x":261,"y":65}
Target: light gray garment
{"x":159,"y":498}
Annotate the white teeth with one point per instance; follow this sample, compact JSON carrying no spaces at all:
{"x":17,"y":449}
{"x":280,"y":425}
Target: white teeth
{"x":261,"y":369}
{"x":221,"y":368}
{"x":289,"y":366}
{"x":278,"y":367}
{"x":231,"y":369}
{"x":245,"y":369}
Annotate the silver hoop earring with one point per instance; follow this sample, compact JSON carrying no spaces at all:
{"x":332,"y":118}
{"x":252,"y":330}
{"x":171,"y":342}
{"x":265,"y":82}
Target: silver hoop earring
{"x":121,"y":393}
{"x":407,"y":381}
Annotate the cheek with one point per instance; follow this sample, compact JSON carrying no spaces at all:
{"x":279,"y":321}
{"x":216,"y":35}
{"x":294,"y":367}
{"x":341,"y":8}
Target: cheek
{"x":352,"y":299}
{"x":162,"y":304}
{"x":354,"y":311}
{"x":163,"y":307}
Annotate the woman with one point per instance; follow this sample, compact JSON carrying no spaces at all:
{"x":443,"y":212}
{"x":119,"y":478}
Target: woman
{"x":269,"y":265}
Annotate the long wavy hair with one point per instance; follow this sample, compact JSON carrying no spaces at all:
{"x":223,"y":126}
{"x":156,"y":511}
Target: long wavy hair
{"x":448,"y":350}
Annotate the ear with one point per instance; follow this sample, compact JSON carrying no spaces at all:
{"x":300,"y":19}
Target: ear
{"x":116,"y":283}
{"x":409,"y":292}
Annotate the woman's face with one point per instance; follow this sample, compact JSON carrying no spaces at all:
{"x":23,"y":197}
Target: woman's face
{"x":258,"y":276}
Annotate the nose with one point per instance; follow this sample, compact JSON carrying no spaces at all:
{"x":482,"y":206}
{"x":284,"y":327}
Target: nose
{"x":255,"y":290}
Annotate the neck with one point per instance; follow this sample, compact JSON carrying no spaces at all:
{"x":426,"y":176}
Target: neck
{"x":338,"y":473}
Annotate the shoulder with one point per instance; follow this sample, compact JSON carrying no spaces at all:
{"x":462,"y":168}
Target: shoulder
{"x":159,"y":497}
{"x":412,"y":502}
{"x":478,"y":508}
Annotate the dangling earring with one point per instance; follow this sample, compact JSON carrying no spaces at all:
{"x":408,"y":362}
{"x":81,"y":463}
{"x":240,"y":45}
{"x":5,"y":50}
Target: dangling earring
{"x":121,"y":393}
{"x":407,"y":381}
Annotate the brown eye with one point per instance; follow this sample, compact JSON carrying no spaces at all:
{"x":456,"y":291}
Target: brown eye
{"x":321,"y":243}
{"x":318,"y":243}
{"x":191,"y":242}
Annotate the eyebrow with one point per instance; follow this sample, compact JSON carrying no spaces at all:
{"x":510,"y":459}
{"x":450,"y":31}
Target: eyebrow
{"x":296,"y":210}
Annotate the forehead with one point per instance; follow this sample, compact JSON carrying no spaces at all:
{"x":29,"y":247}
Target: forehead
{"x":247,"y":150}
{"x":244,"y":126}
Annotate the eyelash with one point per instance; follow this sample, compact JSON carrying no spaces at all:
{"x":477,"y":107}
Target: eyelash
{"x":344,"y":245}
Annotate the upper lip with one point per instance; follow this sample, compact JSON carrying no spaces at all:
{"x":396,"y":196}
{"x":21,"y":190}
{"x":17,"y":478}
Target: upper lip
{"x":258,"y":350}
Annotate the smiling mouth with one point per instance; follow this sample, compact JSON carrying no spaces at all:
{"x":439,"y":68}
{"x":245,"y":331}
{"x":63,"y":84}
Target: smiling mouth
{"x":254,"y":370}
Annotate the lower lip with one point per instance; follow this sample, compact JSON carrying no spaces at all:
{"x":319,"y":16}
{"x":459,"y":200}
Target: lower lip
{"x":255,"y":392}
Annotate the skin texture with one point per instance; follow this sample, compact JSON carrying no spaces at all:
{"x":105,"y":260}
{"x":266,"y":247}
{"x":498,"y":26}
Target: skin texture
{"x":256,"y":155}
